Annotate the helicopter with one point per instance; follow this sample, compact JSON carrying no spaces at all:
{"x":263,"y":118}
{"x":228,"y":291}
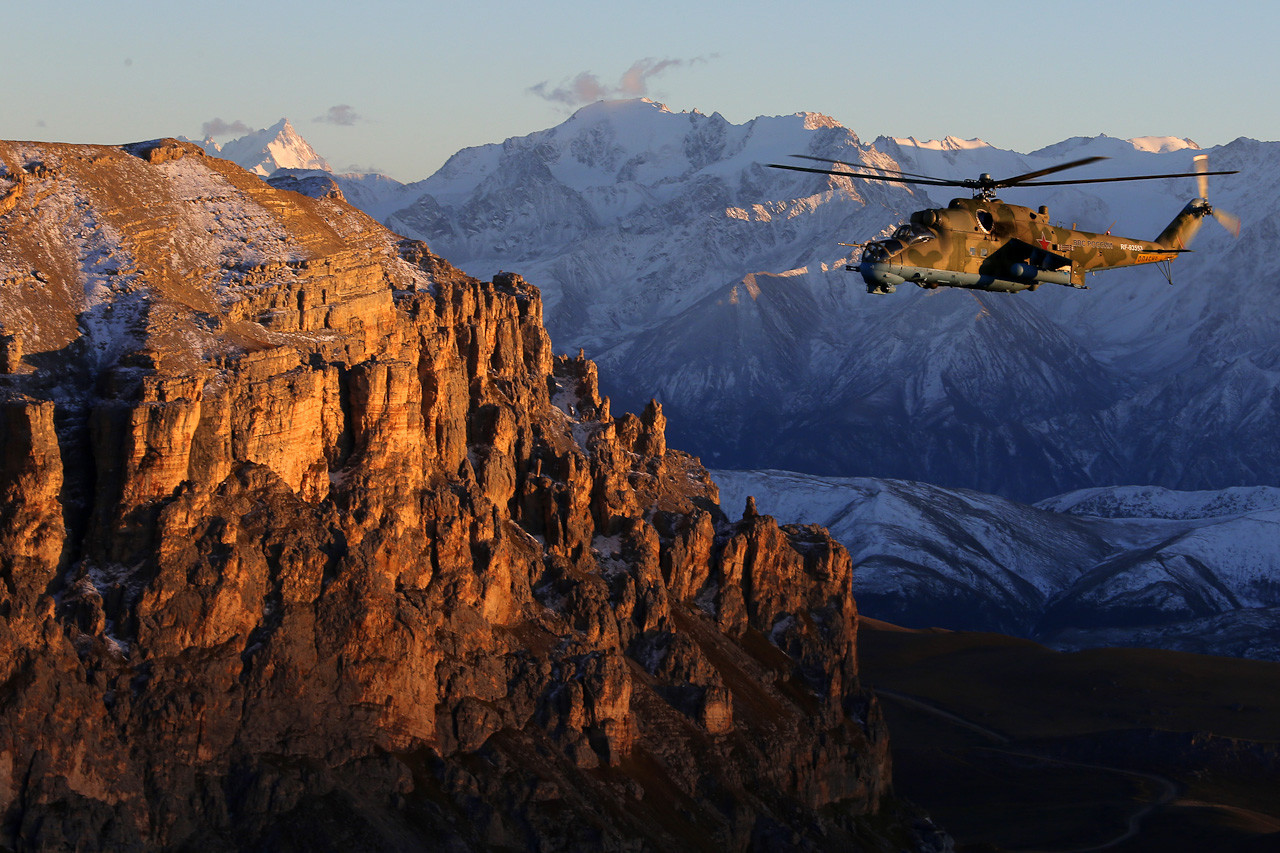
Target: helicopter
{"x":982,"y":243}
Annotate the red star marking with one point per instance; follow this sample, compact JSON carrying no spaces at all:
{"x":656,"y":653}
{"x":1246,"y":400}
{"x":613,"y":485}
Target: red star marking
{"x":1044,"y":244}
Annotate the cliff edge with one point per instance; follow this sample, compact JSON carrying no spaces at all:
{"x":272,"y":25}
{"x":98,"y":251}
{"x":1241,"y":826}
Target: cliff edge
{"x":308,"y":541}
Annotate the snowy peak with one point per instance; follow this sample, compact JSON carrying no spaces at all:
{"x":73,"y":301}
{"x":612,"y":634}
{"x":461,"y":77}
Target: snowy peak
{"x":613,"y":158}
{"x":275,"y":147}
{"x":1162,"y":144}
{"x":642,"y":141}
{"x":618,"y":107}
{"x":949,"y":143}
{"x":949,"y":157}
{"x":1110,"y":146}
{"x":813,"y":121}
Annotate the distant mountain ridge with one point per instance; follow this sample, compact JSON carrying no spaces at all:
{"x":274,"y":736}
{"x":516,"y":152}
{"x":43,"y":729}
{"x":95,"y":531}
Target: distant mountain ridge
{"x":667,"y":249}
{"x":1127,"y":566}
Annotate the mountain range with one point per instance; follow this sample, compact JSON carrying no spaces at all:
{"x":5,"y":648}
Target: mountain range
{"x":667,"y":249}
{"x":1122,"y":566}
{"x":308,"y":540}
{"x":696,"y":275}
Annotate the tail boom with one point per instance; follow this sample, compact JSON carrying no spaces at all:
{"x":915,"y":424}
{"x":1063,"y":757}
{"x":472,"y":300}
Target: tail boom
{"x":1184,"y":227}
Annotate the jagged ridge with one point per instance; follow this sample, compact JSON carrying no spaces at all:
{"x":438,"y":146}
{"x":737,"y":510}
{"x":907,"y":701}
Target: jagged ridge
{"x":314,"y":544}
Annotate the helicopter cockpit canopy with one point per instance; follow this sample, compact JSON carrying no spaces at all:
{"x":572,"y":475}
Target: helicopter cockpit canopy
{"x":912,"y":233}
{"x":906,"y":235}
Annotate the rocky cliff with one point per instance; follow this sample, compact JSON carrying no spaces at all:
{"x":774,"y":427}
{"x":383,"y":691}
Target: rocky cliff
{"x":308,"y":541}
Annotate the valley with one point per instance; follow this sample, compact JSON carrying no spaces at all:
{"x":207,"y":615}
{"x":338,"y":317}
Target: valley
{"x":1012,"y":746}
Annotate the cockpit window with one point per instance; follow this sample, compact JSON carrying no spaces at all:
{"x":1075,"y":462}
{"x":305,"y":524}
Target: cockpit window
{"x":911,"y":233}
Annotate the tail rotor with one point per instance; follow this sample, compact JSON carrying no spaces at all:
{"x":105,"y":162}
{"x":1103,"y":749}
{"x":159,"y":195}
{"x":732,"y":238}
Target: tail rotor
{"x":1229,"y":221}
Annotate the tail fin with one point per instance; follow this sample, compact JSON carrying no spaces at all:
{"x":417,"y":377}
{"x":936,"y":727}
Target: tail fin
{"x":1185,"y":225}
{"x":1182,"y":230}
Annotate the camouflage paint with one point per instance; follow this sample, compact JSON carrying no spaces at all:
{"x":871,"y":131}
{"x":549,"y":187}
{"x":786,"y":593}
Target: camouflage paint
{"x":986,"y":244}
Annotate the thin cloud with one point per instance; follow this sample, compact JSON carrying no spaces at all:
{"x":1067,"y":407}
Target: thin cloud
{"x":342,"y":114}
{"x":587,"y":88}
{"x":218,"y":127}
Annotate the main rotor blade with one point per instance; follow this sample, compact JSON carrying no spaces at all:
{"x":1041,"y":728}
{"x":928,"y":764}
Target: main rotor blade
{"x":1126,"y":178}
{"x":865,"y":166}
{"x":1017,"y":179}
{"x":933,"y":182}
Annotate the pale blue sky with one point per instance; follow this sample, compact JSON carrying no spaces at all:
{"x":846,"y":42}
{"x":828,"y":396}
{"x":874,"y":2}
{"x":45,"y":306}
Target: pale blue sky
{"x":425,"y":79}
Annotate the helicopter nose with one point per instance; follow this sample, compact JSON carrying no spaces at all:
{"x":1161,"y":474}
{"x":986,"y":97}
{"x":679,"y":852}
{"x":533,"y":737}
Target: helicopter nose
{"x":875,"y":253}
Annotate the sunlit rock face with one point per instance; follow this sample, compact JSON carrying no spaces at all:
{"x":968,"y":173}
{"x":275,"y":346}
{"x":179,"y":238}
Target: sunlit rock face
{"x":309,"y":541}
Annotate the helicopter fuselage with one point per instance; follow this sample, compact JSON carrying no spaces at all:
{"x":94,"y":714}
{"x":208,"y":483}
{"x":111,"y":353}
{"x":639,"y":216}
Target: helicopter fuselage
{"x":986,"y":244}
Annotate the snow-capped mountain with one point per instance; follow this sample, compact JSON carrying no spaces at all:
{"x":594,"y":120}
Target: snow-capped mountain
{"x":693,"y":273}
{"x":1195,"y":571}
{"x":264,"y":151}
{"x":629,"y":213}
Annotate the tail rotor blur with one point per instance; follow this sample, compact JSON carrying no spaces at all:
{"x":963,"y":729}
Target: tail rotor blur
{"x":1229,"y":221}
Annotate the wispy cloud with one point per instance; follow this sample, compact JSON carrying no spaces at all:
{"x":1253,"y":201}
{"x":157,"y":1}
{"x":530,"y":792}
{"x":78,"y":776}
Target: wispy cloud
{"x":218,"y":127}
{"x":341,"y":114}
{"x":587,"y":88}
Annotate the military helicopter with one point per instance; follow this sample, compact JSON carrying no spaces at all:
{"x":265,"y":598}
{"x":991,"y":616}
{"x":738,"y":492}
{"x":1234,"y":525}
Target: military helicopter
{"x":981,"y":243}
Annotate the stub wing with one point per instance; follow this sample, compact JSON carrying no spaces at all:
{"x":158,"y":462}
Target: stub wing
{"x":1038,"y":256}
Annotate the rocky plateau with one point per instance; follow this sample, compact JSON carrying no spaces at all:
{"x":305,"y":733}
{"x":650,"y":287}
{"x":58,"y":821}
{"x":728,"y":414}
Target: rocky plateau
{"x":309,"y":541}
